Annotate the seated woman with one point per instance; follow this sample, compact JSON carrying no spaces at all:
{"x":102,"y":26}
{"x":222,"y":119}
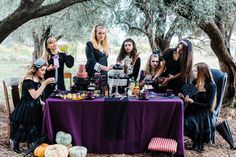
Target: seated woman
{"x":197,"y":124}
{"x":129,"y":57}
{"x":151,"y":69}
{"x":26,"y":119}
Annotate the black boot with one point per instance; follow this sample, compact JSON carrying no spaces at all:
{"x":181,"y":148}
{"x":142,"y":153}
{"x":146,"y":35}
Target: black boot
{"x":17,"y":140}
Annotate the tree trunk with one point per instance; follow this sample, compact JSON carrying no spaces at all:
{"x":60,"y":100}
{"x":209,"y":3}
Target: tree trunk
{"x":226,"y":61}
{"x":39,"y":42}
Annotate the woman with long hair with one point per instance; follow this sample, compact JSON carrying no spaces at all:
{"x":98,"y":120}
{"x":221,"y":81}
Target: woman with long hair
{"x":197,"y":122}
{"x":56,"y":60}
{"x":26,"y":119}
{"x":177,"y":65}
{"x":129,"y":57}
{"x":97,"y":51}
{"x":151,"y":69}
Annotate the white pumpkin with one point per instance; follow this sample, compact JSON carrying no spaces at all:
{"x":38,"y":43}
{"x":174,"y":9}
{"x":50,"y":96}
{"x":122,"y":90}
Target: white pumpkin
{"x":77,"y":151}
{"x":56,"y":150}
{"x":63,"y":138}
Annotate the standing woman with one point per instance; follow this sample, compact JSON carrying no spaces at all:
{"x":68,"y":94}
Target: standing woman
{"x":129,"y":57}
{"x":97,"y":51}
{"x":51,"y":51}
{"x":151,"y":69}
{"x":26,"y":119}
{"x":197,"y":122}
{"x":177,"y":65}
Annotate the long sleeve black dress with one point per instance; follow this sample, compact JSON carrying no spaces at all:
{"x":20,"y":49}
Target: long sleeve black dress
{"x":197,"y":122}
{"x":94,"y":59}
{"x":68,"y":60}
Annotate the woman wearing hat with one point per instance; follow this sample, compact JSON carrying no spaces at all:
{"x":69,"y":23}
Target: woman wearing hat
{"x":26,"y":119}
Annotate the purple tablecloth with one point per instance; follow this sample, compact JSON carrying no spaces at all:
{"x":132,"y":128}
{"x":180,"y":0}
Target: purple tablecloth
{"x":146,"y":119}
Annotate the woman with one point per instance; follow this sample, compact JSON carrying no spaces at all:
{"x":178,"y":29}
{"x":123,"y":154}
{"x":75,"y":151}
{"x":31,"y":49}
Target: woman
{"x":129,"y":57}
{"x":197,"y":123}
{"x":26,"y":119}
{"x":56,"y":60}
{"x":151,"y":69}
{"x":97,"y":51}
{"x":177,"y":65}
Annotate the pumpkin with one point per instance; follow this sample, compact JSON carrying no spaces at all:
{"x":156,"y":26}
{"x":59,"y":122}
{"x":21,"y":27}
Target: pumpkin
{"x":77,"y":151}
{"x":63,"y":138}
{"x":40,"y":150}
{"x":56,"y":150}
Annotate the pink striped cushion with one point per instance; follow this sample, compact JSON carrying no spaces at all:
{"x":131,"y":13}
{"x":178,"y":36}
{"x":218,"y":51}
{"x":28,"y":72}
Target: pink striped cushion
{"x":163,"y":145}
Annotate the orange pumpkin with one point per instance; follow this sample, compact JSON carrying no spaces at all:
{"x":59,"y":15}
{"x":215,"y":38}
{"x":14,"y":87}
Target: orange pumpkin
{"x":40,"y":150}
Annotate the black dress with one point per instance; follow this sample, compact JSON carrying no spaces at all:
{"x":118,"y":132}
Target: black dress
{"x":136,"y":69}
{"x":26,"y":119}
{"x":197,"y":122}
{"x":63,"y":59}
{"x":172,"y":68}
{"x":94,"y":56}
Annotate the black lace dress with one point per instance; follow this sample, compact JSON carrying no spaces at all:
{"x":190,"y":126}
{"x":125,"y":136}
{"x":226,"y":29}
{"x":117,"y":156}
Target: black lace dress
{"x":26,"y":119}
{"x":197,"y":122}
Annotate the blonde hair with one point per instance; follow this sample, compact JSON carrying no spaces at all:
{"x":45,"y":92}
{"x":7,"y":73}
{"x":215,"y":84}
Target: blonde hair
{"x":148,"y":68}
{"x":46,"y":55}
{"x":104,"y":43}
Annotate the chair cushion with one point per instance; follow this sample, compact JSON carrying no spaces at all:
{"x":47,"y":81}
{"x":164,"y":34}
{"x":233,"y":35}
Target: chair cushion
{"x":163,"y":145}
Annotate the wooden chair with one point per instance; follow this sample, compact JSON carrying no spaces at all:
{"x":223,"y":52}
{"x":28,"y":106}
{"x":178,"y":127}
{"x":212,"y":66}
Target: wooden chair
{"x":68,"y":75}
{"x":15,"y":99}
{"x":8,"y":111}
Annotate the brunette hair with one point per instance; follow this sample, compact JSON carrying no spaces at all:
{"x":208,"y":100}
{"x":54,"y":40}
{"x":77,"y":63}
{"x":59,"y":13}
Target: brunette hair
{"x":123,"y":53}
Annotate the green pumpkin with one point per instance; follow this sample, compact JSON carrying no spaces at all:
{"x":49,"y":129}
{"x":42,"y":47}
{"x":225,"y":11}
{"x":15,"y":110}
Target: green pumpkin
{"x":77,"y":151}
{"x":63,"y":138}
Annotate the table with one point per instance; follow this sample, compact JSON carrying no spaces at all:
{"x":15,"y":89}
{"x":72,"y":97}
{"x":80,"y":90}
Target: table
{"x":146,"y":119}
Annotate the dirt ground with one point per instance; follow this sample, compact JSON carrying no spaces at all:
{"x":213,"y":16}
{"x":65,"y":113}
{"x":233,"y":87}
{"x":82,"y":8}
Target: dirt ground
{"x":220,"y":149}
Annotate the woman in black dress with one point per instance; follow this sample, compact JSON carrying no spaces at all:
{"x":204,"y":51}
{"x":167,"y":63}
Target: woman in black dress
{"x":26,"y":119}
{"x":129,"y":57}
{"x":177,"y":65}
{"x":51,"y":54}
{"x":151,"y":69}
{"x":97,"y":51}
{"x":197,"y":122}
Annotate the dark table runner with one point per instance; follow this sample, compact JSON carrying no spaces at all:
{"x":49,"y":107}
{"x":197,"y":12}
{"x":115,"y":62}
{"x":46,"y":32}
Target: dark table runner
{"x":115,"y":118}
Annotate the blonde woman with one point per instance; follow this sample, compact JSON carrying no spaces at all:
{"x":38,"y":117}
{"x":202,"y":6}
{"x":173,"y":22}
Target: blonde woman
{"x":26,"y":119}
{"x":97,"y":51}
{"x":151,"y":69}
{"x":197,"y":123}
{"x":50,"y":53}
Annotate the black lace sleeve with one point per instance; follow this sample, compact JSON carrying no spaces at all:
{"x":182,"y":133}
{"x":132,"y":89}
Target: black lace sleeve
{"x":136,"y":69}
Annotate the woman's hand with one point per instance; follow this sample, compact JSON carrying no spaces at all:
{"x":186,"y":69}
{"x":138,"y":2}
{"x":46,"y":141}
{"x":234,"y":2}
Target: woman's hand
{"x":49,"y":80}
{"x":51,"y":67}
{"x":181,"y":96}
{"x":188,"y":100}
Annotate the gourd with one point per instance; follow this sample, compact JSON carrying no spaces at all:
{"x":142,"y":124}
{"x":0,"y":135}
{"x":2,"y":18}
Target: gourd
{"x":77,"y":151}
{"x":63,"y":138}
{"x":56,"y":150}
{"x":40,"y":150}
